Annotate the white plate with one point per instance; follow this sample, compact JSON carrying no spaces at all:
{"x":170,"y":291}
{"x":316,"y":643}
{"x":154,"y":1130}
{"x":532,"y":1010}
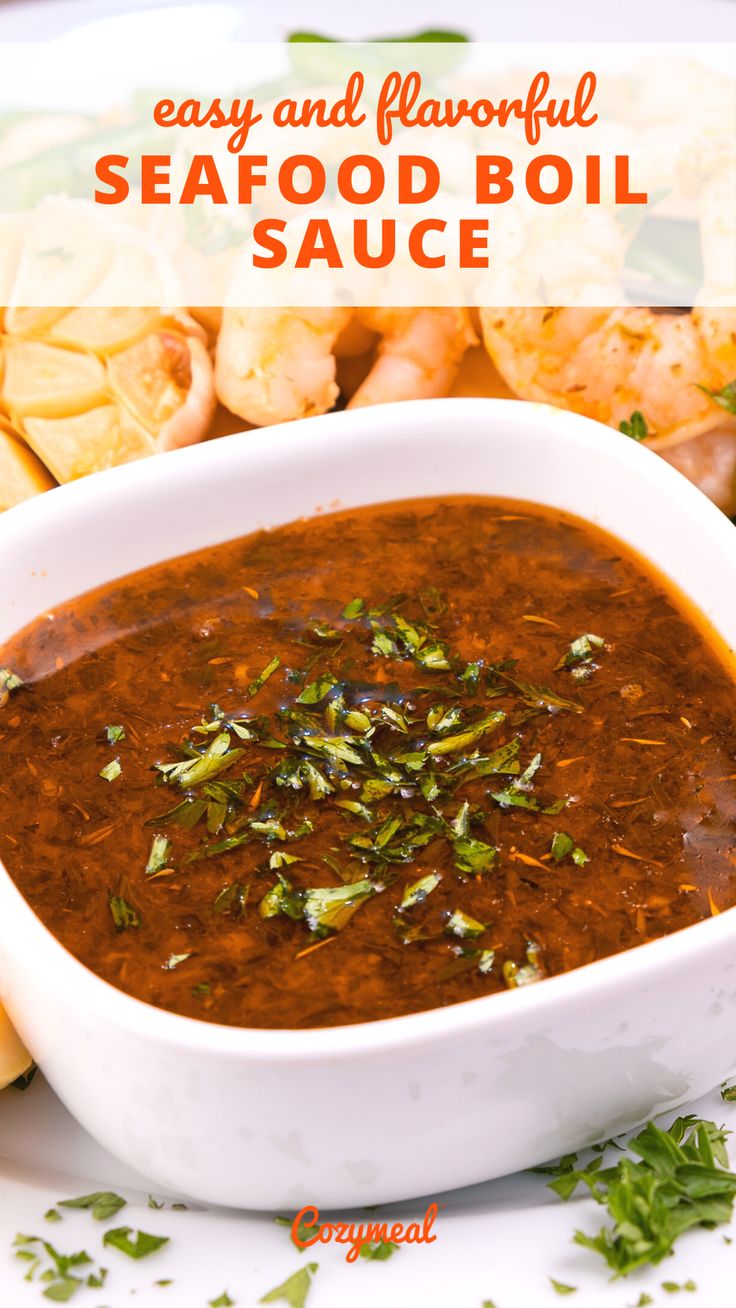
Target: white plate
{"x":500,"y":1241}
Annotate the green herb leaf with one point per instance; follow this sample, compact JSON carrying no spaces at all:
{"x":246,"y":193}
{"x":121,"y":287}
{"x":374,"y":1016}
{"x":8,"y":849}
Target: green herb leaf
{"x":725,"y":397}
{"x":635,"y":426}
{"x":174,"y":960}
{"x":102,"y":1203}
{"x":528,"y":973}
{"x":222,"y":1301}
{"x":9,"y":681}
{"x":679,"y":1180}
{"x":353,"y":609}
{"x":232,"y":898}
{"x":728,"y":1093}
{"x":512,"y":798}
{"x":111,"y":771}
{"x":316,"y":691}
{"x":473,"y":856}
{"x":123,"y":914}
{"x":582,"y":650}
{"x":187,"y":814}
{"x":562,"y":845}
{"x":378,"y":1250}
{"x":417,"y":893}
{"x":191,"y":772}
{"x":559,"y":1287}
{"x":328,"y":909}
{"x":461,"y":924}
{"x":114,"y":734}
{"x":464,"y":739}
{"x":139,"y":1247}
{"x":263,"y":676}
{"x":293,"y":1291}
{"x":159,"y":855}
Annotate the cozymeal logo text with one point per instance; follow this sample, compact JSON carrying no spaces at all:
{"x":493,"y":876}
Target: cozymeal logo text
{"x":307,"y":1231}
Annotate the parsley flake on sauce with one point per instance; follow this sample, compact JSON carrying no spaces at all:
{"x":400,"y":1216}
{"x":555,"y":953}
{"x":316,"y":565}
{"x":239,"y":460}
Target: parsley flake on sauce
{"x":263,"y":676}
{"x":112,"y":770}
{"x":582,"y":650}
{"x":9,"y":681}
{"x":114,"y":734}
{"x":123,"y":914}
{"x":461,"y":924}
{"x":158,"y":857}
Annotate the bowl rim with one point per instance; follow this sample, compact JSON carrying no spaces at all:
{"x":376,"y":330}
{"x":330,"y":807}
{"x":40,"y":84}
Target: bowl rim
{"x":639,"y":963}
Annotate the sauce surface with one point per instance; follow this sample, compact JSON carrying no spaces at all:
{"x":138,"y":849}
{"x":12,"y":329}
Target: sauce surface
{"x":368,"y":764}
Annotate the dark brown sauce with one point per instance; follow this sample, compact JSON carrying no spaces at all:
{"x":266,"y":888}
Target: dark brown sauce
{"x":646,"y":768}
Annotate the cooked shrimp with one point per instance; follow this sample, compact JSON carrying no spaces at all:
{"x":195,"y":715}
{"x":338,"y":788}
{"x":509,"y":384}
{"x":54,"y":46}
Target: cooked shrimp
{"x":272,"y":365}
{"x":418,"y":356}
{"x":607,"y":363}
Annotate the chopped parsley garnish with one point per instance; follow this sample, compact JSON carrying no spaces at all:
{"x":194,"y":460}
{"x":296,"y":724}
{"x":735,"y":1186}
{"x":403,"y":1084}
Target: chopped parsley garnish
{"x":390,"y":762}
{"x":461,"y":924}
{"x":139,"y":1246}
{"x":562,"y":845}
{"x":378,"y":1250}
{"x":582,"y":650}
{"x":174,"y":960}
{"x":9,"y":681}
{"x":726,"y":397}
{"x":417,"y":893}
{"x":263,"y":676}
{"x":467,"y":738}
{"x":317,"y":690}
{"x":158,"y":857}
{"x":102,"y":1204}
{"x":560,"y":1287}
{"x":200,"y":767}
{"x":293,"y":1291}
{"x":114,"y":734}
{"x":728,"y":1093}
{"x":679,"y":1179}
{"x":123,"y":914}
{"x":635,"y":426}
{"x":524,"y":975}
{"x":58,"y":1275}
{"x":112,"y":770}
{"x":222,"y":1301}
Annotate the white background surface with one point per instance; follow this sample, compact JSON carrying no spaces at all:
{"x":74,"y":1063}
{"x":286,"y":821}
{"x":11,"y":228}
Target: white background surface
{"x":500,"y":1241}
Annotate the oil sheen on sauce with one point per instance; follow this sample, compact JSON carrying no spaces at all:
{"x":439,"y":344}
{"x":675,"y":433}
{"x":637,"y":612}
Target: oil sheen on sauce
{"x":369,"y":764}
